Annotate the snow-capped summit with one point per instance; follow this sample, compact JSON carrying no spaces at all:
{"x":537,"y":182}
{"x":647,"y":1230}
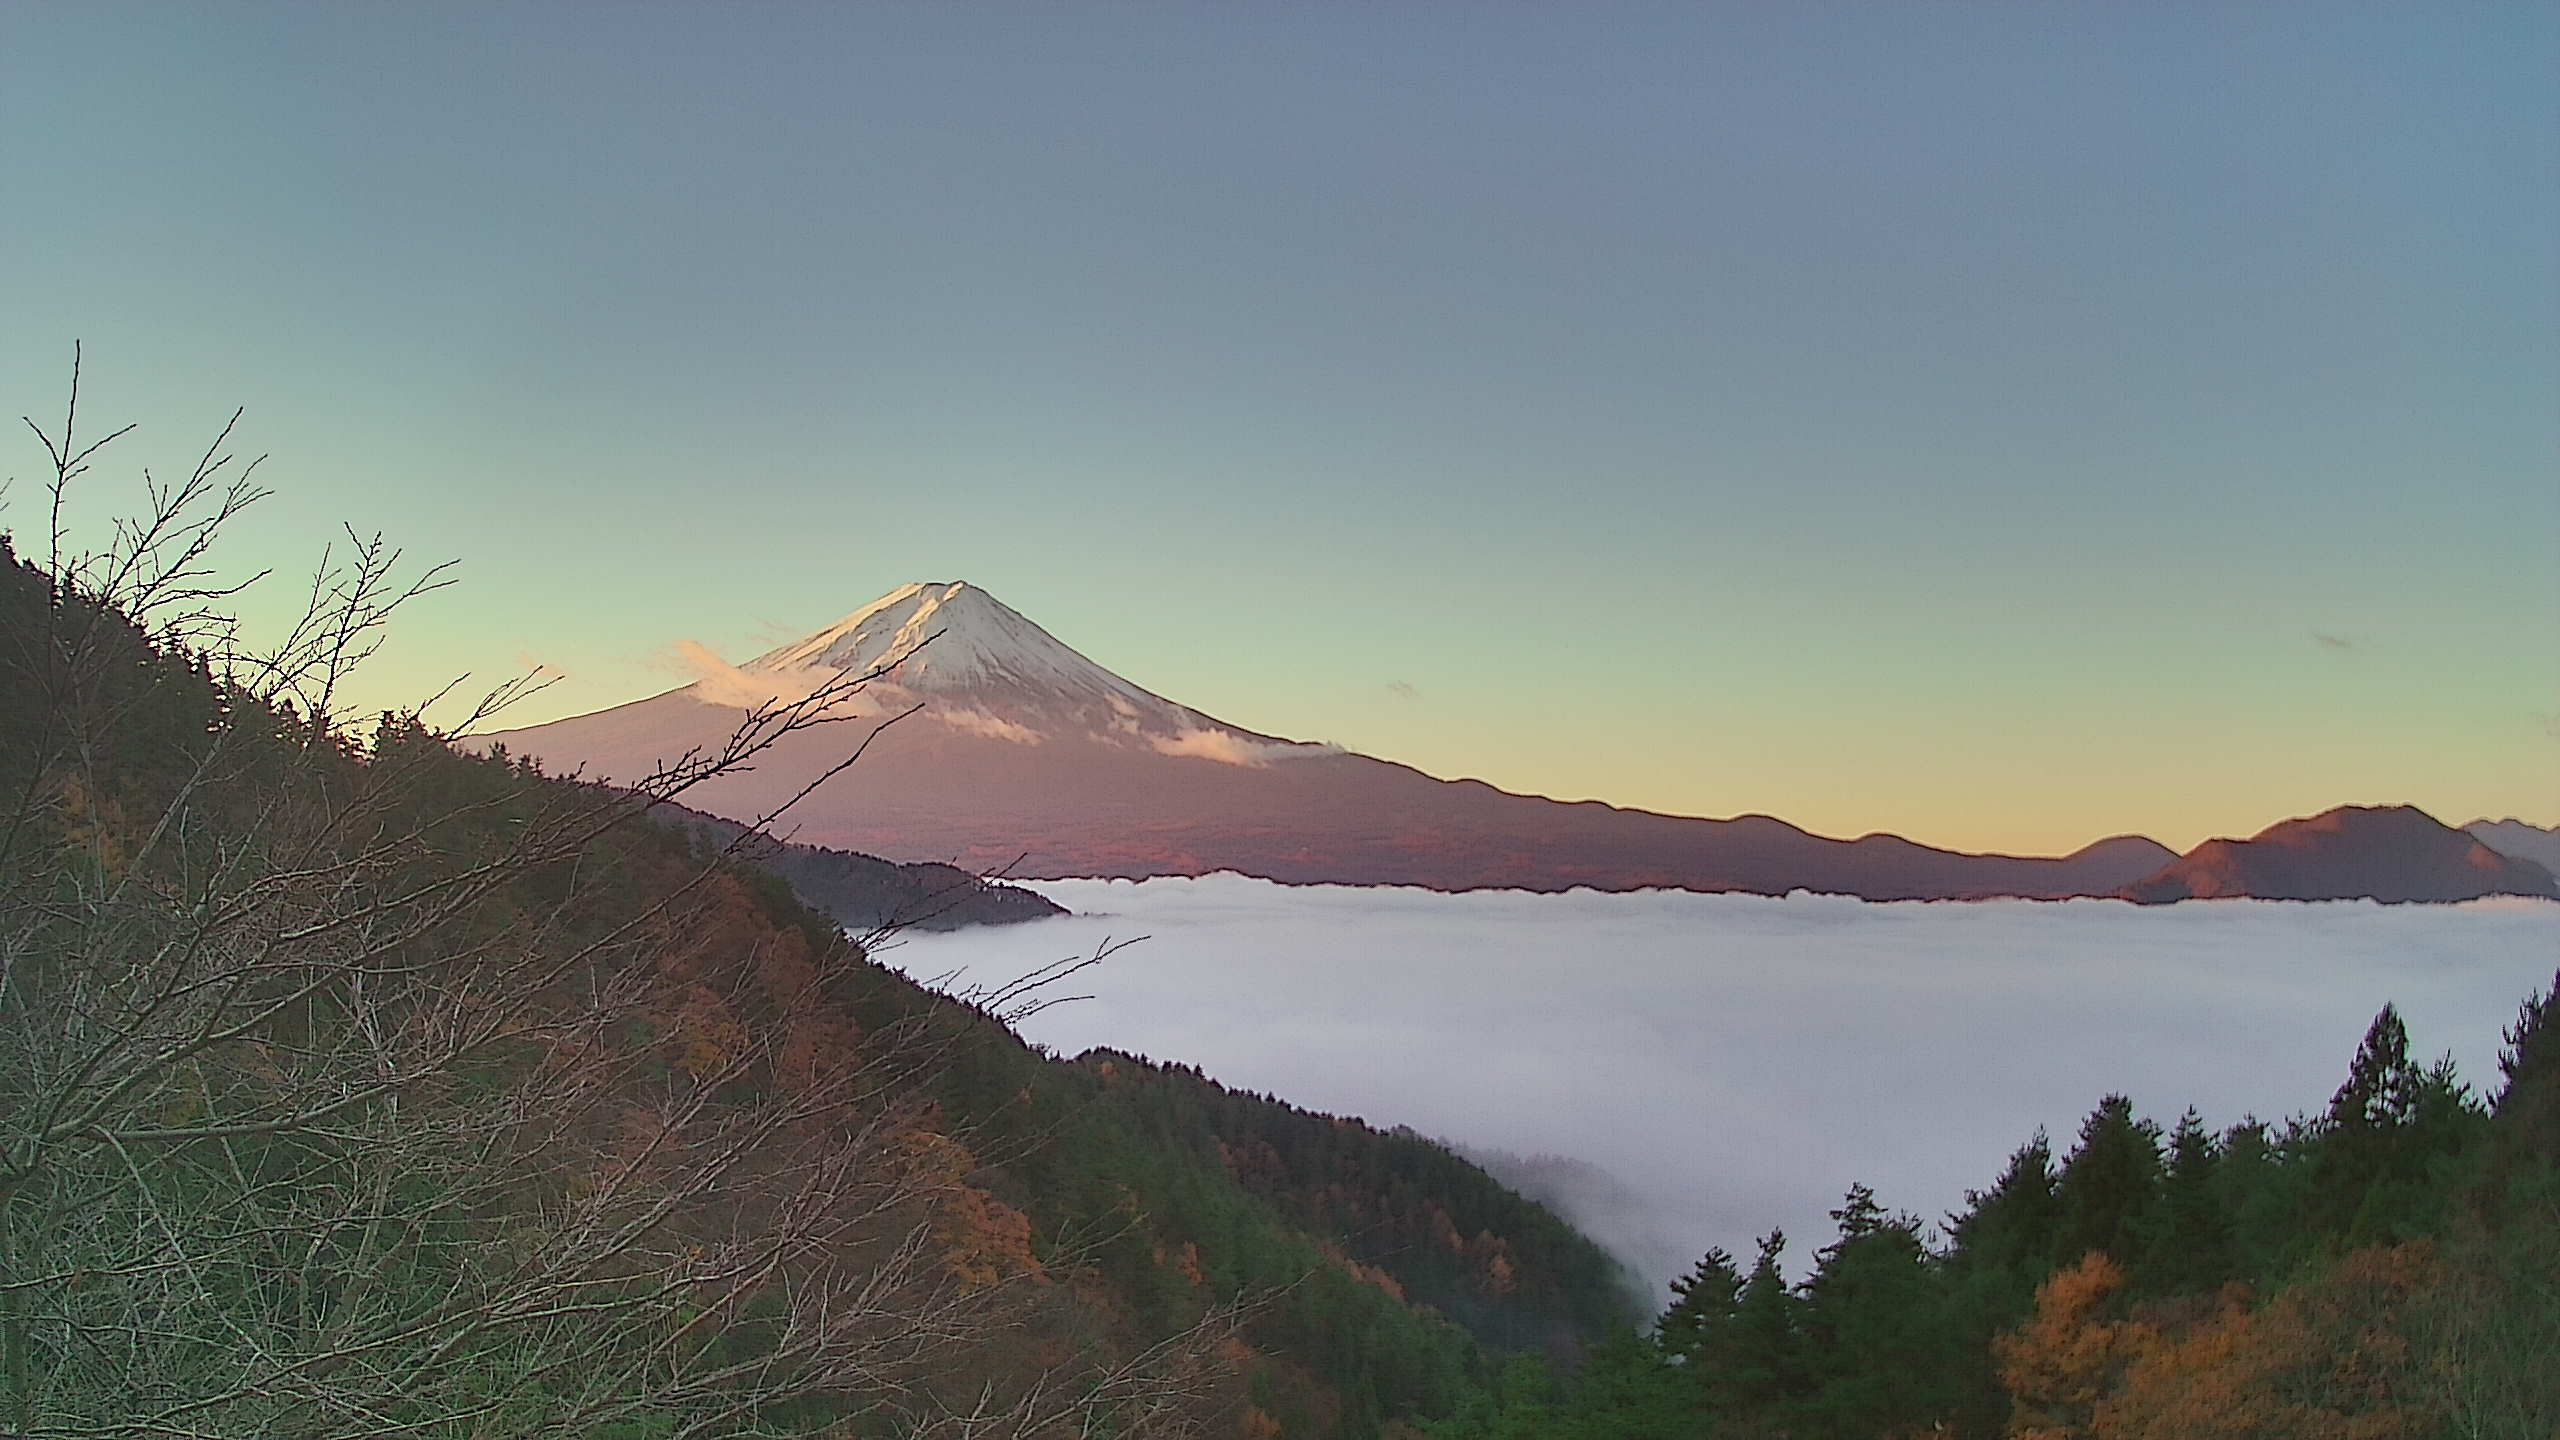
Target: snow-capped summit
{"x":941,"y":636}
{"x":978,"y":660}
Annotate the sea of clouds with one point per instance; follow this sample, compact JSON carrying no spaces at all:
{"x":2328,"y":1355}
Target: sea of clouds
{"x":1691,"y":1070}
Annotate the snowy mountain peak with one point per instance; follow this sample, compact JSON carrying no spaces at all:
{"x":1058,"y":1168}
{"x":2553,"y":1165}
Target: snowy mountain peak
{"x":985,"y":671}
{"x":951,"y":636}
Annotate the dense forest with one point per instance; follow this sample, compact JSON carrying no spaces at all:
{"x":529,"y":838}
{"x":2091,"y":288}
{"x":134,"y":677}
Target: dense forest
{"x":353,"y":1085}
{"x":2387,"y":1269}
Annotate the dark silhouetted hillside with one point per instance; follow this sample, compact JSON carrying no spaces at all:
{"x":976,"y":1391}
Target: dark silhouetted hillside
{"x":867,"y":894}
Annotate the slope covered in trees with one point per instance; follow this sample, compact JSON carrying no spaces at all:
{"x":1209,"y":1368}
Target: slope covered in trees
{"x":353,"y":1086}
{"x":864,"y":893}
{"x":1408,"y":1214}
{"x":2388,"y":1269}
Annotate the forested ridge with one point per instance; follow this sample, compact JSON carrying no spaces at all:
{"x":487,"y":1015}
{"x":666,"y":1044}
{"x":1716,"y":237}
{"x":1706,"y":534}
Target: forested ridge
{"x":1407,"y":1213}
{"x":865,"y":894}
{"x":351,"y":1085}
{"x":2385,"y":1269}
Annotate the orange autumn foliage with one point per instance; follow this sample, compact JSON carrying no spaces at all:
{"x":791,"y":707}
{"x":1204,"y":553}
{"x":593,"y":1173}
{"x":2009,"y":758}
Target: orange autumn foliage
{"x":1495,"y":1274}
{"x":2067,"y":1357}
{"x":94,"y":825}
{"x":1365,"y":1274}
{"x":708,"y":1035}
{"x":2324,"y":1359}
{"x":984,"y":1240}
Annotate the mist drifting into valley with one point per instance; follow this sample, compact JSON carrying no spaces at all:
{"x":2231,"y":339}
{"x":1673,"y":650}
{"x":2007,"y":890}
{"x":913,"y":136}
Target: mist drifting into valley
{"x":1682,"y":1070}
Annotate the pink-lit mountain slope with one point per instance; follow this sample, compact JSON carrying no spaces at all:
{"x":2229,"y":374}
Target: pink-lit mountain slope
{"x":1031,"y":759}
{"x":2391,"y":853}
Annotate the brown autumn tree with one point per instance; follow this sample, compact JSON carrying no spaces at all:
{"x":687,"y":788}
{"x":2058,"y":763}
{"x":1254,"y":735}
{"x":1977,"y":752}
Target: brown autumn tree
{"x":2328,"y":1358}
{"x":2060,"y":1367}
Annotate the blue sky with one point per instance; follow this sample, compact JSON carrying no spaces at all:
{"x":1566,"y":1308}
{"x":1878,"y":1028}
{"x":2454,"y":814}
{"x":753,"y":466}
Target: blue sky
{"x":2003,"y":424}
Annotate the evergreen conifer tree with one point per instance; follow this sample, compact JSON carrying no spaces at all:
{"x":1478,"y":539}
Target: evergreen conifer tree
{"x":1766,"y":1362}
{"x":2381,"y":1091}
{"x":1999,"y":1249}
{"x":2190,"y":1249}
{"x":2386,"y":1130}
{"x":1703,"y":1309}
{"x":1876,"y":1345}
{"x":2013,"y":1226}
{"x":2528,"y":1105}
{"x":2109,"y":1183}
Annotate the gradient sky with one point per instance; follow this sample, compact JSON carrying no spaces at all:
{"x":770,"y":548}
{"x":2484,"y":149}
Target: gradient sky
{"x":2002,"y":424}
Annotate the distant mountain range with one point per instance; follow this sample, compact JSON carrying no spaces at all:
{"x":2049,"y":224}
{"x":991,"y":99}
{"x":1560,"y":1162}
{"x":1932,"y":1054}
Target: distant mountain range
{"x":2523,"y":841}
{"x":1030,"y":759}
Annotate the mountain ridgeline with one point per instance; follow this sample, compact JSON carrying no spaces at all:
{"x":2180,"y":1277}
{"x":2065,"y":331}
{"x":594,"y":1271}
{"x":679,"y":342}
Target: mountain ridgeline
{"x":2396,"y":854}
{"x":356,"y":1085}
{"x":1027,"y":758}
{"x":2537,"y":843}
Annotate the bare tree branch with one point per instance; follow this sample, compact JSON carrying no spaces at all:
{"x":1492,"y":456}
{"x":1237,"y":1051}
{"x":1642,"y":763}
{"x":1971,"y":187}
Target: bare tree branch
{"x":351,"y":1087}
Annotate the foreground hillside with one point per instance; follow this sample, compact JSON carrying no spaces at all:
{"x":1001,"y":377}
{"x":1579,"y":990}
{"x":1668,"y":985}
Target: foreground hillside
{"x":352,"y":1086}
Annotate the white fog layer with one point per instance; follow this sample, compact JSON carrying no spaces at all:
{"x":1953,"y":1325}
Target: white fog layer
{"x":1695,"y":1069}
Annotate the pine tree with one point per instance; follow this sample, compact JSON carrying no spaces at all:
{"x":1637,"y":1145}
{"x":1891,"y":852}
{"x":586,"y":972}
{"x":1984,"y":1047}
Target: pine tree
{"x":1877,"y":1348}
{"x":1705,"y":1303}
{"x":1765,"y":1364}
{"x":1998,"y":1251}
{"x":2528,"y":1106}
{"x":2381,"y":1093}
{"x":2109,"y":1183}
{"x":2191,"y":1247}
{"x":2386,"y":1130}
{"x":2011,"y":1227}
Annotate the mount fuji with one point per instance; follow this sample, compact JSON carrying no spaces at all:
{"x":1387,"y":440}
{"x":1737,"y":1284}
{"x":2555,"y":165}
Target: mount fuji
{"x":1023,"y":756}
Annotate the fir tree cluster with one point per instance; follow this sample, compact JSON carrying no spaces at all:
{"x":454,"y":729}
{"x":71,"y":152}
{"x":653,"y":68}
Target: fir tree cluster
{"x":2388,"y":1267}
